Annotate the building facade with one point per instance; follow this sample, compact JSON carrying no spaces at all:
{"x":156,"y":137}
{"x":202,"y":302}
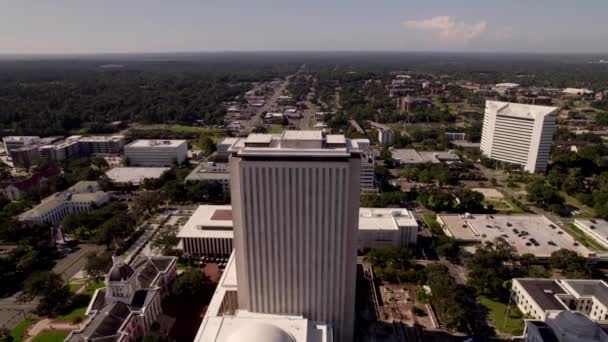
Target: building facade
{"x":386,"y":136}
{"x":126,"y":308}
{"x":295,"y":202}
{"x":211,"y":172}
{"x":15,"y":142}
{"x":77,"y":199}
{"x":519,"y":134}
{"x":156,"y":152}
{"x":209,"y":231}
{"x":367,"y":179}
{"x":538,"y":298}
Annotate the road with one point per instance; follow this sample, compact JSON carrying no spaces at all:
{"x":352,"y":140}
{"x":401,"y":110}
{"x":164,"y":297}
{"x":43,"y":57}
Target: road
{"x":269,"y":104}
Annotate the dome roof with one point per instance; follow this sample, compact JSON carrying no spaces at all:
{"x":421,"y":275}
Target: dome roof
{"x":120,"y":272}
{"x":576,"y":325}
{"x":260,"y":332}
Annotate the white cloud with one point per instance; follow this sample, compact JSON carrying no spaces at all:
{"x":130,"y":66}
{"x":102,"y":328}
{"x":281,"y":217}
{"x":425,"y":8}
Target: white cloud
{"x":448,"y":30}
{"x":502,"y":34}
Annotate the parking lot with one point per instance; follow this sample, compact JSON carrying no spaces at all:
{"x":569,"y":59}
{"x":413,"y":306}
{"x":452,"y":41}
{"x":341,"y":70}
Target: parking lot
{"x":533,"y":234}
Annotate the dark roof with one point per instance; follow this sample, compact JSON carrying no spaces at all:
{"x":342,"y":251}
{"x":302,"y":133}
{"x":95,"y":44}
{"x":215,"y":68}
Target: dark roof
{"x":139,"y":299}
{"x":544,"y":330}
{"x":147,"y":274}
{"x":162,"y":264}
{"x":595,"y":288}
{"x":121,"y":272}
{"x":571,"y":325}
{"x":222,"y":215}
{"x":107,"y":321}
{"x":99,"y":301}
{"x":543,"y":292}
{"x":35,"y":179}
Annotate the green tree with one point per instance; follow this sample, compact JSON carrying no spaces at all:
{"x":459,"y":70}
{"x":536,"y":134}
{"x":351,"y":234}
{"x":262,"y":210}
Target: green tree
{"x":206,"y":144}
{"x":49,"y":287}
{"x":191,"y":284}
{"x":97,"y":265}
{"x":487,"y":269}
{"x":570,"y":263}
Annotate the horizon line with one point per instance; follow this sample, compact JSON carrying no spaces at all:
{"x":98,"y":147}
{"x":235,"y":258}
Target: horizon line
{"x":175,"y":52}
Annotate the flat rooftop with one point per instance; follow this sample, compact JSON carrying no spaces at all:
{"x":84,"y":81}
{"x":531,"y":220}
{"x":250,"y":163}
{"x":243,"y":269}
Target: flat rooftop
{"x":215,"y":221}
{"x":102,"y":138}
{"x":385,"y":219}
{"x":312,"y":143}
{"x":209,"y":221}
{"x":228,"y":141}
{"x":134,"y":175}
{"x":598,"y":228}
{"x":520,"y":110}
{"x":517,"y":230}
{"x":543,"y":292}
{"x":156,"y":143}
{"x":412,"y":156}
{"x":209,"y":171}
{"x":244,"y":325}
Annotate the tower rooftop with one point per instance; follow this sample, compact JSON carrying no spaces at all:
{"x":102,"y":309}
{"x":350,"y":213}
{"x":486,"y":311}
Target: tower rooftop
{"x":294,"y":143}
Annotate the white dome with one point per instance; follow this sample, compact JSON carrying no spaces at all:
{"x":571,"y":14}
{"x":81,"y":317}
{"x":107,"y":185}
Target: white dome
{"x":260,"y":332}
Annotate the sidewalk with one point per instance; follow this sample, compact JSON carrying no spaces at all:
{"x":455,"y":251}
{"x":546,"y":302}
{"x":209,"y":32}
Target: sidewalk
{"x":48,"y":325}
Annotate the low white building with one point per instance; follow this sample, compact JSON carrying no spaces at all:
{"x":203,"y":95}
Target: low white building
{"x":211,"y":172}
{"x":386,"y":227}
{"x":14,"y":142}
{"x":409,"y":156}
{"x":577,"y":91}
{"x":156,"y":152}
{"x":597,"y":229}
{"x":538,"y":298}
{"x":209,"y":231}
{"x":223,"y":145}
{"x":77,"y":199}
{"x":134,"y":175}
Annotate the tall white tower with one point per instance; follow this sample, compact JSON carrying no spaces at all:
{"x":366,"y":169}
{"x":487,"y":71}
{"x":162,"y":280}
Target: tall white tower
{"x":518,"y":133}
{"x":295,"y":200}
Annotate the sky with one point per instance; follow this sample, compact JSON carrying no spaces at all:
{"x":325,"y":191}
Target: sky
{"x":123,"y":26}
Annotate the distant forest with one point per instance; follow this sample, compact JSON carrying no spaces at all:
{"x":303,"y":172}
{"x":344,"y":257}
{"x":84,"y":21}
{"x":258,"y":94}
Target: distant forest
{"x":52,"y":95}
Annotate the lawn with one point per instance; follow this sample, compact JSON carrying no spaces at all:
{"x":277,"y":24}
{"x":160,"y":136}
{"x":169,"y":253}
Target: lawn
{"x":498,"y":205}
{"x":582,"y":238}
{"x":276,"y":129}
{"x":584,"y":210}
{"x":51,"y":336}
{"x":18,"y":331}
{"x":512,"y":324}
{"x":179,"y":129}
{"x":79,"y":305}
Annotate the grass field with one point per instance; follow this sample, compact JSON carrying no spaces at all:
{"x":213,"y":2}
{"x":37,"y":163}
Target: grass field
{"x":179,"y":129}
{"x":513,"y":324}
{"x":18,"y":331}
{"x":582,"y":238}
{"x":584,"y":210}
{"x":79,"y":305}
{"x":51,"y":336}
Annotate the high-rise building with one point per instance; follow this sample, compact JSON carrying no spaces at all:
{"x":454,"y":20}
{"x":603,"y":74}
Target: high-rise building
{"x":367,"y":181}
{"x":518,"y":133}
{"x":295,"y":200}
